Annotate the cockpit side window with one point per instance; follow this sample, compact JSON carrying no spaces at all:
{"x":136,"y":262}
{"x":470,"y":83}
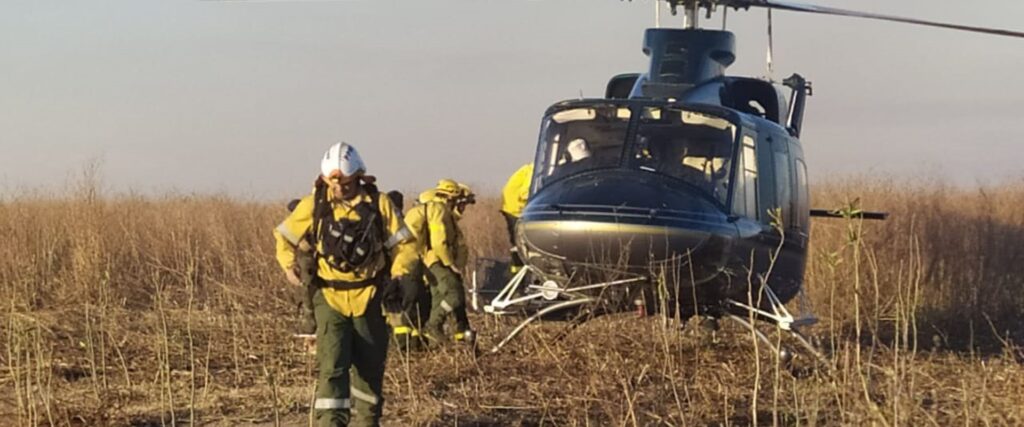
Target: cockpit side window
{"x":784,"y":181}
{"x":803,"y":198}
{"x":745,"y":194}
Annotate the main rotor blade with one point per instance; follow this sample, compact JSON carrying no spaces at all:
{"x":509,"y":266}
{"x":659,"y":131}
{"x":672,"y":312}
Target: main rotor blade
{"x":799,"y":7}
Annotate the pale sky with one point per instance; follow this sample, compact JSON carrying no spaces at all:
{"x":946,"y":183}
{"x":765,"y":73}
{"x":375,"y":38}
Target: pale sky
{"x":242,"y":98}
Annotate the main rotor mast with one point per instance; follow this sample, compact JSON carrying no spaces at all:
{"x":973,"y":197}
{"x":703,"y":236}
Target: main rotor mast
{"x":691,"y":10}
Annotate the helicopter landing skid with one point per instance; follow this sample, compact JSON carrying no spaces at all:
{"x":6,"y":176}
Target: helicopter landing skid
{"x":778,"y":315}
{"x":518,"y":294}
{"x":549,"y":290}
{"x":783,"y":320}
{"x":785,"y":355}
{"x":551,"y":309}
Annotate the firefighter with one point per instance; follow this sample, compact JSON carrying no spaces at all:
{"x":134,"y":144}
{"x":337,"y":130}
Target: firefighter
{"x":445,"y":257}
{"x":408,"y":315}
{"x":513,"y":199}
{"x":356,"y":233}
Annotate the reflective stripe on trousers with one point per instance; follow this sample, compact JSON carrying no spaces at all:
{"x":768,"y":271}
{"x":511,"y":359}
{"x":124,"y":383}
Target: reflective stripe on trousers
{"x":364,"y":396}
{"x":328,"y":403}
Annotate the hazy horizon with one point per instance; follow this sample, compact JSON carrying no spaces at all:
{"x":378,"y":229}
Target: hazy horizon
{"x":241,"y":98}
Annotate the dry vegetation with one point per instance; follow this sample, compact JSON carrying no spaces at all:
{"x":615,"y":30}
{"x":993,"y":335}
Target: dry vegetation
{"x":148,"y":311}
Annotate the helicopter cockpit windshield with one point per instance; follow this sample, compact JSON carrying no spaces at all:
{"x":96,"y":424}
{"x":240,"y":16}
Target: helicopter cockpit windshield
{"x":687,"y":145}
{"x":574,"y":140}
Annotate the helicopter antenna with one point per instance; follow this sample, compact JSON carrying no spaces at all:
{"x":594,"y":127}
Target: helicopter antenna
{"x":691,"y":9}
{"x":657,"y":13}
{"x":770,"y":44}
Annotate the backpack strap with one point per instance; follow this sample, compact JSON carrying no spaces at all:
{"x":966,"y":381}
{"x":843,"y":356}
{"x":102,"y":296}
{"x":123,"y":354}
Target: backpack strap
{"x":321,"y":208}
{"x":378,"y":223}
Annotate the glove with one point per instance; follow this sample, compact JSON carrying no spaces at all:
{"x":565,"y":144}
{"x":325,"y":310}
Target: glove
{"x":392,"y":296}
{"x":410,"y":292}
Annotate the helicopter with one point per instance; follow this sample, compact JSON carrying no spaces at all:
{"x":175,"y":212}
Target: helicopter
{"x":682,"y":188}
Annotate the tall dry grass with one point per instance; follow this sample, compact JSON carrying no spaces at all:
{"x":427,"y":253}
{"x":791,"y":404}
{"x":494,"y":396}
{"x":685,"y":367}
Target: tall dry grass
{"x":126,"y":310}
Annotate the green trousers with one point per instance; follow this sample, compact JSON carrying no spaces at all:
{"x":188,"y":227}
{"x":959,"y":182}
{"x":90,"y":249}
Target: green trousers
{"x":408,"y":321}
{"x":350,"y":353}
{"x":447,"y":299}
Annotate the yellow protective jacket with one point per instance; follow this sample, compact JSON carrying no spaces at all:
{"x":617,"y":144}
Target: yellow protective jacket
{"x":353,"y":302}
{"x":517,"y":190}
{"x":434,"y":222}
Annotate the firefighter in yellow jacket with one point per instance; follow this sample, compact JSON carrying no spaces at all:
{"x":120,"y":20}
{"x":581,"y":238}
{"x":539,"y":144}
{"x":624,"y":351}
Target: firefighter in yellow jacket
{"x":513,"y":198}
{"x":356,"y":234}
{"x":445,"y":255}
{"x":408,"y":316}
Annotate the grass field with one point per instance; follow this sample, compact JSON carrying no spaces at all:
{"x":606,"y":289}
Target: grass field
{"x":125,"y":310}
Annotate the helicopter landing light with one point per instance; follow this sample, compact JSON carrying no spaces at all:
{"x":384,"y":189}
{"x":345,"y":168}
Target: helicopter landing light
{"x":623,"y":113}
{"x":574,"y":115}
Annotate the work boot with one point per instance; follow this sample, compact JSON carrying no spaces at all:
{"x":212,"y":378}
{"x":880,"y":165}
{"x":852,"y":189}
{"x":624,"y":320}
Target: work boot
{"x":407,"y":339}
{"x":434,"y":336}
{"x":465,"y":337}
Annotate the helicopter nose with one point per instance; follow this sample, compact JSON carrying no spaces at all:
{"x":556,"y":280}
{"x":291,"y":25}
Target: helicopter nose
{"x":622,"y":219}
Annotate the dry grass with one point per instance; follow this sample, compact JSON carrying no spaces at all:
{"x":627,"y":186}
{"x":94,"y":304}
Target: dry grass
{"x":152,"y":311}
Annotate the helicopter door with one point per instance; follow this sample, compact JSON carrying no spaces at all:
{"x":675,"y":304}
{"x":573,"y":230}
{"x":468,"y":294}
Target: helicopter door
{"x":761,"y":189}
{"x":780,"y":232}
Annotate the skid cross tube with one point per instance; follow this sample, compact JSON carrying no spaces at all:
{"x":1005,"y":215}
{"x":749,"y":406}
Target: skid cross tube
{"x":505,"y":299}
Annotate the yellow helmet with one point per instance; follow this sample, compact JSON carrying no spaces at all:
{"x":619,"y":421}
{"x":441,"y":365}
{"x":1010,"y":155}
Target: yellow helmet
{"x":447,"y":188}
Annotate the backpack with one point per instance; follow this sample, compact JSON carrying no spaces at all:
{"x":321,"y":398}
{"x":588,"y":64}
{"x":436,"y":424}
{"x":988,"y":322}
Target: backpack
{"x":345,"y":244}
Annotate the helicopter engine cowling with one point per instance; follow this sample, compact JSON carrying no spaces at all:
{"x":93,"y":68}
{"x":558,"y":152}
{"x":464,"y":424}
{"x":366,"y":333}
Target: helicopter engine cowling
{"x":683,"y":59}
{"x":624,"y":220}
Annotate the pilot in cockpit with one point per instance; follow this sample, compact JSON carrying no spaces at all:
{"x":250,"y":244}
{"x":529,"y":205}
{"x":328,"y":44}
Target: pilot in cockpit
{"x":577,"y":158}
{"x":577,"y":150}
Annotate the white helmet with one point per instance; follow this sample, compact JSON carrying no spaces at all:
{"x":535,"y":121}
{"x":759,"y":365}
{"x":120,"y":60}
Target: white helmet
{"x":578,"y":149}
{"x":341,"y":158}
